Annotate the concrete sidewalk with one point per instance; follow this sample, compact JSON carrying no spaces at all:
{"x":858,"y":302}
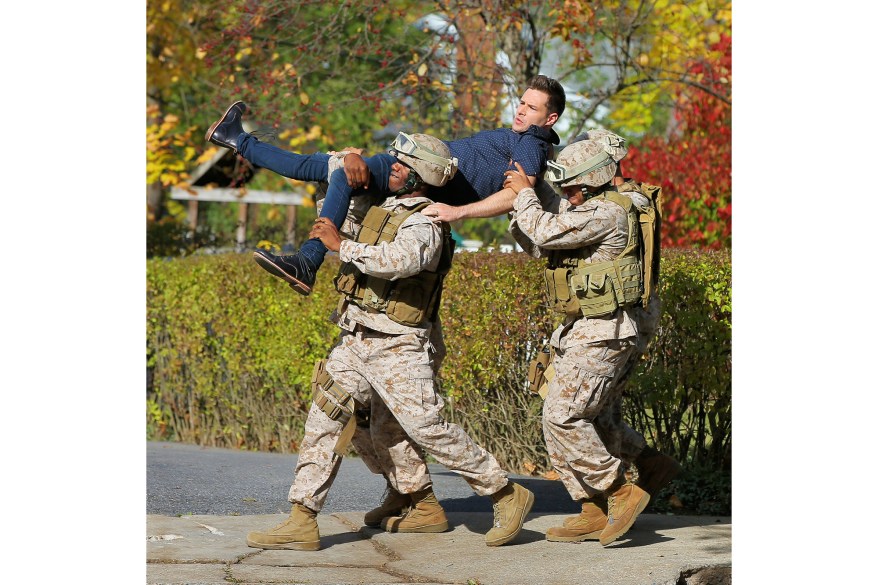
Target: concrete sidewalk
{"x":659,"y":549}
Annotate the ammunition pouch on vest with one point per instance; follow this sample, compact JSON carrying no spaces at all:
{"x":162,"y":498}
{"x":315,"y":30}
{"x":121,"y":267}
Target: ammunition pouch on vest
{"x":409,"y":301}
{"x":597,"y":289}
{"x":335,"y":403}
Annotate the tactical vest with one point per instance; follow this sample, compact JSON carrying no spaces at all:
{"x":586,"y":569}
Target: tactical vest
{"x":409,"y":301}
{"x":596,"y":289}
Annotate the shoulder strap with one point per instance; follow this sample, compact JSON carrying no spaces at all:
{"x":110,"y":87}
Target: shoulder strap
{"x":621,"y":200}
{"x":381,"y":225}
{"x":650,"y":229}
{"x":625,"y":203}
{"x":396,"y":219}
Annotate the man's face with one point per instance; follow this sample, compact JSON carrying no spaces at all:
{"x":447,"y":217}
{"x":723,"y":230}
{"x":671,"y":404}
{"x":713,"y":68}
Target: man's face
{"x":533,"y":110}
{"x":399,"y":174}
{"x":573,"y":194}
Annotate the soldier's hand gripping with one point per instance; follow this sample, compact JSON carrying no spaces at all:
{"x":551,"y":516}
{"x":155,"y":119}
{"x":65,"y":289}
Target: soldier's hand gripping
{"x":326,"y":231}
{"x":353,"y":149}
{"x":517,"y":179}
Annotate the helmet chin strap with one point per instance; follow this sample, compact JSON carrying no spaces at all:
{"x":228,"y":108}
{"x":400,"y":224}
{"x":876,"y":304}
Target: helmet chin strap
{"x":412,"y":184}
{"x":589,"y":194}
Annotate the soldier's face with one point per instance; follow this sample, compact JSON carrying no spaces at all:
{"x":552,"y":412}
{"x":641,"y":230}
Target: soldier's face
{"x":574,"y":195}
{"x":399,"y":174}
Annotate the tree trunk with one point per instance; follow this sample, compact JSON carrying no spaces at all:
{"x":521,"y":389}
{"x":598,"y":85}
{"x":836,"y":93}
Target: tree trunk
{"x":479,"y":85}
{"x":154,"y":194}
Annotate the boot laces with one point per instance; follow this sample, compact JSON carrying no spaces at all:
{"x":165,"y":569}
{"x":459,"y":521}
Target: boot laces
{"x":407,"y":511}
{"x":497,"y":523}
{"x":282,"y":524}
{"x":611,"y":506}
{"x":613,"y":502}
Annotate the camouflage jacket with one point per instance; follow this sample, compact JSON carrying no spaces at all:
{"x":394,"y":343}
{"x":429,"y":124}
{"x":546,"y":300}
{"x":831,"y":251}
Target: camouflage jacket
{"x":598,"y":226}
{"x":416,"y":247}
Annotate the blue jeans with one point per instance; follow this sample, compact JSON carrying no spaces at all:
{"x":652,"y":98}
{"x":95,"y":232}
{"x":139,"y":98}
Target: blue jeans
{"x":302,"y":167}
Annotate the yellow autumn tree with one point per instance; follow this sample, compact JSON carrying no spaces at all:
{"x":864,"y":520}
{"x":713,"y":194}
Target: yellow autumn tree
{"x":630,"y":57}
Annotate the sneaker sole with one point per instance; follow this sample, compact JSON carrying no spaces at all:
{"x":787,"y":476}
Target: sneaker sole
{"x":286,"y":546}
{"x":640,"y":506}
{"x":209,"y":135}
{"x":527,"y":506}
{"x":596,"y":535}
{"x":267,"y":265}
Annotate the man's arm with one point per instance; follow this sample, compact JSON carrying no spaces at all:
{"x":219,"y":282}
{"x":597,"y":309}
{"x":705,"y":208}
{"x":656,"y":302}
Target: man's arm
{"x":555,"y":230}
{"x":492,"y":206}
{"x":416,"y":247}
{"x":324,"y":230}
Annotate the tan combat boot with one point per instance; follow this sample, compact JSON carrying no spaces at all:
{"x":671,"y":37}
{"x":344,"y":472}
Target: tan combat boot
{"x":623,"y":505}
{"x":298,"y":532}
{"x":511,"y":505}
{"x":656,"y":470}
{"x":424,"y":515}
{"x":586,"y":526}
{"x":394,"y":504}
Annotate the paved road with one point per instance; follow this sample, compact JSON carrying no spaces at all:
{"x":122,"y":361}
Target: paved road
{"x":186,"y":479}
{"x":201,"y":502}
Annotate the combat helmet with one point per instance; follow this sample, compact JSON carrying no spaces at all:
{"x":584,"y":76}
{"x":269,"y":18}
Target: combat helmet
{"x":587,"y":162}
{"x":615,"y":143}
{"x":429,"y":157}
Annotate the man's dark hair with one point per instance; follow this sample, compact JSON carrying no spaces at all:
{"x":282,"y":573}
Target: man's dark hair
{"x":557,"y":97}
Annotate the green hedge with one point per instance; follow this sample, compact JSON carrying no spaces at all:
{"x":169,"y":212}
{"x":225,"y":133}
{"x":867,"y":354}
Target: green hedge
{"x":230,"y":351}
{"x":681,"y":395}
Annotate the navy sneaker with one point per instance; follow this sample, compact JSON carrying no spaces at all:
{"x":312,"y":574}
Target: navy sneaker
{"x":224,"y":132}
{"x":297,"y":271}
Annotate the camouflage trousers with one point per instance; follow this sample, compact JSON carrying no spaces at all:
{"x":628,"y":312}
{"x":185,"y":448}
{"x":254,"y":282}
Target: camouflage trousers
{"x":582,"y":418}
{"x":393,"y":376}
{"x":631,"y":443}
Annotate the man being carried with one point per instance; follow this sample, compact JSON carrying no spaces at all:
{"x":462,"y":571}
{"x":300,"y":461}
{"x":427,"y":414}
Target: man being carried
{"x":476,"y":191}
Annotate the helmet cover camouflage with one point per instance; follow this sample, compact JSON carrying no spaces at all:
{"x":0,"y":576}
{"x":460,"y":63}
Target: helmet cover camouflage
{"x":586,"y":162}
{"x":617,"y":145}
{"x":427,"y":155}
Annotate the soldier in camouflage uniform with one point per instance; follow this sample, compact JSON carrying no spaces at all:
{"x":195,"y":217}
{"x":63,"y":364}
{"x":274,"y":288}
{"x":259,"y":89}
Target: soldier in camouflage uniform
{"x":655,"y":470}
{"x":383,"y":360}
{"x":417,"y":476}
{"x":590,"y":241}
